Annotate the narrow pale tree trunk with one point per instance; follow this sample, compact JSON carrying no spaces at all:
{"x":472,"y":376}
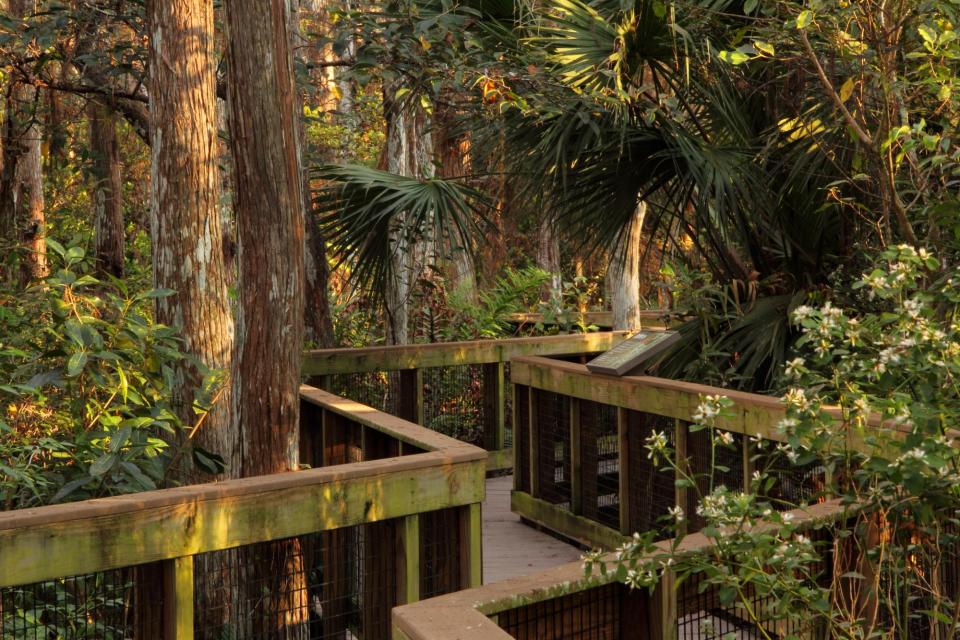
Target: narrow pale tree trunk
{"x":409,"y":152}
{"x":270,"y":222}
{"x":108,"y":227}
{"x":28,"y":205}
{"x":9,"y":185}
{"x":623,"y":275}
{"x":453,"y":151}
{"x":548,"y":259}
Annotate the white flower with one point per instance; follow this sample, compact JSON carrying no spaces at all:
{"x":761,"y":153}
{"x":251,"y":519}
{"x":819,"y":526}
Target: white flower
{"x":677,"y":513}
{"x":794,"y":367}
{"x":913,"y":308}
{"x":801,"y":313}
{"x":787,"y":517}
{"x":797,"y":398}
{"x":725,"y":437}
{"x":656,"y":443}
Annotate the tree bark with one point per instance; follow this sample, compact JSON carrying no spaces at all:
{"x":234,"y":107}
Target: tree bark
{"x":108,"y":223}
{"x":548,"y":259}
{"x":623,"y":275}
{"x":270,"y":223}
{"x":409,"y":152}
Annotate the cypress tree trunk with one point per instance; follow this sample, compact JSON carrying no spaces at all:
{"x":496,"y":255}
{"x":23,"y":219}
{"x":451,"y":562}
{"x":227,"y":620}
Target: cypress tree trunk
{"x":270,"y":222}
{"x":548,"y":259}
{"x":623,"y":275}
{"x":108,"y":221}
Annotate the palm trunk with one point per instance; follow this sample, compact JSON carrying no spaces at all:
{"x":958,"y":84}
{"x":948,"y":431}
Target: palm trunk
{"x":108,"y":222}
{"x":270,"y":222}
{"x":623,"y":275}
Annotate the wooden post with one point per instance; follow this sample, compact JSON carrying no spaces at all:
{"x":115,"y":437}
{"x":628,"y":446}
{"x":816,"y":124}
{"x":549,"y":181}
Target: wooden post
{"x":408,"y":559}
{"x":494,"y":407}
{"x":533,"y":437}
{"x":747,"y":463}
{"x":663,"y":609}
{"x":680,"y":441}
{"x":178,"y":599}
{"x":518,"y":450}
{"x":410,"y":405}
{"x":471,"y":546}
{"x":576,"y":455}
{"x":623,"y":453}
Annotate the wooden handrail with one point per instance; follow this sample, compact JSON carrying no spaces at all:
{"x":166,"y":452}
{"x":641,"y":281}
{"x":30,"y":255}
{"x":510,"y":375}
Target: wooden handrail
{"x":466,"y":614}
{"x":97,"y":535}
{"x":444,"y":354}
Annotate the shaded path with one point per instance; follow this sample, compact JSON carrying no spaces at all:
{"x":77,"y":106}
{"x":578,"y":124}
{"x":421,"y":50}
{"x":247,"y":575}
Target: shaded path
{"x":510,"y":548}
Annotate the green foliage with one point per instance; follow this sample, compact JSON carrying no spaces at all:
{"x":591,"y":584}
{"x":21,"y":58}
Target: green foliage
{"x":516,"y":291}
{"x":86,"y":377}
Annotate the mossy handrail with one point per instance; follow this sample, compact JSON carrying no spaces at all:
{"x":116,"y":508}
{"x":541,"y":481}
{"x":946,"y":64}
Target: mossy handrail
{"x":472,"y":614}
{"x":170,"y":526}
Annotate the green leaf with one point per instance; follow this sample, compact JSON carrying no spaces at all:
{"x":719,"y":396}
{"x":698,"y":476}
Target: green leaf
{"x":804,"y":19}
{"x":102,"y":465}
{"x":76,"y":363}
{"x":733,"y":57}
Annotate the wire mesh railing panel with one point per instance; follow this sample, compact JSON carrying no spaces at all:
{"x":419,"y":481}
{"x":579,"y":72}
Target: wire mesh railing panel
{"x":600,"y":463}
{"x":331,"y":585}
{"x":552,"y":448}
{"x":440,"y":543}
{"x":652,"y":488}
{"x":377,"y":389}
{"x":522,"y":438}
{"x":716,"y":453}
{"x":610,"y":612}
{"x":453,"y":401}
{"x":794,"y":484}
{"x":100,"y":606}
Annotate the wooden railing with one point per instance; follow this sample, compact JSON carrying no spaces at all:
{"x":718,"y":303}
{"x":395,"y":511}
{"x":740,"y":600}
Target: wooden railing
{"x":457,"y":387}
{"x":582,"y":469}
{"x":390,"y":513}
{"x":561,"y":603}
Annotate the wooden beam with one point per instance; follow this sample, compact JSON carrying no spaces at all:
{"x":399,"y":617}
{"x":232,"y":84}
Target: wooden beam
{"x":494,"y":407}
{"x":532,"y":444}
{"x":178,"y":598}
{"x":753,"y":413}
{"x":471,"y":546}
{"x":576,"y":449}
{"x":97,"y":535}
{"x":410,"y":402}
{"x":408,"y":559}
{"x":445,"y":354}
{"x":680,"y":447}
{"x":623,"y":455}
{"x":582,"y":530}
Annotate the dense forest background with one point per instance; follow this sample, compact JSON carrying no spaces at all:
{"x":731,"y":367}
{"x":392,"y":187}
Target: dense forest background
{"x":192,"y":193}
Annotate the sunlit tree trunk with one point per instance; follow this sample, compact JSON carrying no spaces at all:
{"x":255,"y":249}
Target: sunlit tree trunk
{"x":409,"y":152}
{"x":264,"y":113}
{"x":453,"y":152}
{"x":548,"y":259}
{"x":623,"y":275}
{"x":107,"y":195}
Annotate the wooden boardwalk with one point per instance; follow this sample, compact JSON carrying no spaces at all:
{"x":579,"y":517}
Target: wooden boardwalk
{"x":510,"y":548}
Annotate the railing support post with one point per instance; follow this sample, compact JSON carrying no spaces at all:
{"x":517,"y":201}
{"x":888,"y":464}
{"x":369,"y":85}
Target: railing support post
{"x":623,"y":455}
{"x":494,"y":414}
{"x":518,"y":450}
{"x":663,"y":608}
{"x":680,"y":444}
{"x":178,"y":598}
{"x":408,"y":559}
{"x":471,"y":549}
{"x":576,"y":451}
{"x":534,"y":435}
{"x":410,"y":405}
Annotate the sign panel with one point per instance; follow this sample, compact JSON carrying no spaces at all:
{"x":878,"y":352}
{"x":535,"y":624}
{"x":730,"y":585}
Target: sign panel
{"x":632,"y":352}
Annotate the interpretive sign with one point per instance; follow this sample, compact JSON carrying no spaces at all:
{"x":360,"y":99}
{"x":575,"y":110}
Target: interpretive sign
{"x":632,"y":352}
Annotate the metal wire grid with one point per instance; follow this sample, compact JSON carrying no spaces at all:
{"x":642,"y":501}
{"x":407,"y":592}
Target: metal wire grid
{"x":553,"y":448}
{"x":728,"y":469}
{"x":96,"y":606}
{"x":453,"y":401}
{"x":332,"y":585}
{"x":375,"y":389}
{"x":522,"y":438}
{"x":440,"y":570}
{"x":794,"y":485}
{"x":652,"y":489}
{"x":610,"y":612}
{"x":600,"y":463}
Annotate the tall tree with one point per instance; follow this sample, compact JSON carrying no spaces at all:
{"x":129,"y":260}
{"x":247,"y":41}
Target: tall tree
{"x":548,"y":258}
{"x":264,"y":112}
{"x":623,"y":275}
{"x":108,"y":225}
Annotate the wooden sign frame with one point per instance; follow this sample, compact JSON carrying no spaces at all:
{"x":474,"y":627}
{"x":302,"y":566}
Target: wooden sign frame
{"x":633,"y":352}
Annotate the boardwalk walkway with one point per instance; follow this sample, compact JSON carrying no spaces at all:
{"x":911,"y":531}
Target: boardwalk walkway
{"x":511,"y":548}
